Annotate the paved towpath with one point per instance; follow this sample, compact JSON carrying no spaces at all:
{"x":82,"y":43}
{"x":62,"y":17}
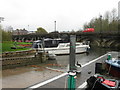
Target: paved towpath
{"x":60,"y":81}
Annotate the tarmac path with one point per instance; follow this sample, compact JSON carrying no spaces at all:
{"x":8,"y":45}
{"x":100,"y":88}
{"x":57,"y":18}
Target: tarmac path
{"x":60,"y":81}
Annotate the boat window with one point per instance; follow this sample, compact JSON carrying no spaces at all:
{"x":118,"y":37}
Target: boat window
{"x":53,"y":42}
{"x":39,"y":45}
{"x":36,"y":45}
{"x":118,"y":62}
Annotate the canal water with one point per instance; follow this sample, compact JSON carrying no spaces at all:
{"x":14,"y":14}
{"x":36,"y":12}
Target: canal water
{"x":23,"y":77}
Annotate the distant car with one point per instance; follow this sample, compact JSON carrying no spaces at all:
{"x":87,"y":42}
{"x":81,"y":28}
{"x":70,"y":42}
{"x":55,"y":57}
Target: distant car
{"x":89,"y":30}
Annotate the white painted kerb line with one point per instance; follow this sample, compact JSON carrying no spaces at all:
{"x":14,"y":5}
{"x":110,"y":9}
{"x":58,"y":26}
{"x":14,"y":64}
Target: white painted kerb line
{"x":64,"y":74}
{"x":85,"y":83}
{"x":93,"y":60}
{"x":48,"y":81}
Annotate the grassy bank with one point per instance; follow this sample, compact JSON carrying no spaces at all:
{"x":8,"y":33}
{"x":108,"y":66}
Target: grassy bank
{"x":9,"y":45}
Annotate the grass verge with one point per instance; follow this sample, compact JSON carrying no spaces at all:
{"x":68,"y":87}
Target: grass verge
{"x":6,"y":46}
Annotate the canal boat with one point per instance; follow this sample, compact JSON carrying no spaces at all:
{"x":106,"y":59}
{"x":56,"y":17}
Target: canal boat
{"x":61,"y":48}
{"x":107,"y":75}
{"x":113,"y":67}
{"x":47,"y":43}
{"x":98,"y":81}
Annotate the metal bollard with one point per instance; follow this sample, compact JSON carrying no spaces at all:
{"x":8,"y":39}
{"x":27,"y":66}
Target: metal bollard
{"x":71,"y":80}
{"x":109,"y":57}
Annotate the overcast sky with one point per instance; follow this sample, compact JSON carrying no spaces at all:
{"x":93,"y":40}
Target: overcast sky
{"x":68,"y":14}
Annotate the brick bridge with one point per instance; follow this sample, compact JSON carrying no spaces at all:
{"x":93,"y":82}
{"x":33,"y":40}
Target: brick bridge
{"x":106,"y":39}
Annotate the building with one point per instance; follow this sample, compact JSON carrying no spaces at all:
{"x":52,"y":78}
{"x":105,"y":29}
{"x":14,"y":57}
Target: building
{"x":20,"y":32}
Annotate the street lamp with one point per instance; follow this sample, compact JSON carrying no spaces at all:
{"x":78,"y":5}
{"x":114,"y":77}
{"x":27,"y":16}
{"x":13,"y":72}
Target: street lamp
{"x":118,"y":27}
{"x":28,"y":27}
{"x":100,"y":24}
{"x":118,"y":17}
{"x":101,"y":30}
{"x":55,"y":25}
